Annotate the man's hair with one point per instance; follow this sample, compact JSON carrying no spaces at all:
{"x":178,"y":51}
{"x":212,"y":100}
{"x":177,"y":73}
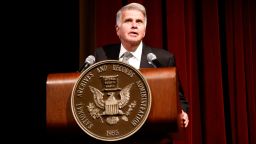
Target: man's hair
{"x":131,"y":6}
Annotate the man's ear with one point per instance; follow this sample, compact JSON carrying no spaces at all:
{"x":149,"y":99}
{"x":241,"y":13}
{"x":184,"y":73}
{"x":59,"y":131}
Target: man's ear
{"x":117,"y":30}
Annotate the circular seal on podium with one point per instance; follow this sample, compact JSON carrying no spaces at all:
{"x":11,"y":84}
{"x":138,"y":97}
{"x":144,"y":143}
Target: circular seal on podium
{"x":111,"y":100}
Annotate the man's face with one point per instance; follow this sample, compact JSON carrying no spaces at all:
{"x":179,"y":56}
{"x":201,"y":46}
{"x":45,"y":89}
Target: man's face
{"x":132,"y":27}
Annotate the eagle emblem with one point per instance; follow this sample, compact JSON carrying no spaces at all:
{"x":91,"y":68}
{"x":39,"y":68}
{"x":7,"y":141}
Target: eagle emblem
{"x":111,"y":104}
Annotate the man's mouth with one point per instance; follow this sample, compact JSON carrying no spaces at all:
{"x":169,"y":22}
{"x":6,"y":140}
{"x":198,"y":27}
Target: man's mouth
{"x":133,"y":34}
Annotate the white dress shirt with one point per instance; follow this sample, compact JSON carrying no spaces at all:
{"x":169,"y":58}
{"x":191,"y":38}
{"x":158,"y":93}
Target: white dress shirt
{"x":135,"y":60}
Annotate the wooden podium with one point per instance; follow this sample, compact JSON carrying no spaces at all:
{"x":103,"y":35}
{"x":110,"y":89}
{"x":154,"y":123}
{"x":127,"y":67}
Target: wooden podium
{"x":164,"y":91}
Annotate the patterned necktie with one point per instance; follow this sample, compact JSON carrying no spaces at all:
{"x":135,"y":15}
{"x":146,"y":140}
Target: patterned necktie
{"x":126,"y":57}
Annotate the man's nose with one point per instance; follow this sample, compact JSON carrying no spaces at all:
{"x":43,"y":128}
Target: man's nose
{"x":134,"y":25}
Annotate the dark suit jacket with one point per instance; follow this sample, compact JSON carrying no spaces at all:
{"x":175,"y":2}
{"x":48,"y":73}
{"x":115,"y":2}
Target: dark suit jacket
{"x":166,"y":59}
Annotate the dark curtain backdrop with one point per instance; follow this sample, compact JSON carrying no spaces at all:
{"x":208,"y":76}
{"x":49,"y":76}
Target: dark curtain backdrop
{"x":214,"y":43}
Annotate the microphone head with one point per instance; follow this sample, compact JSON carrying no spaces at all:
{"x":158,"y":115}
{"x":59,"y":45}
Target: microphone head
{"x":151,"y":57}
{"x":90,"y":59}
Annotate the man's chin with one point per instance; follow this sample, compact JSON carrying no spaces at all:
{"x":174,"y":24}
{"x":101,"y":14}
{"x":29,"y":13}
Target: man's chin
{"x":134,"y":41}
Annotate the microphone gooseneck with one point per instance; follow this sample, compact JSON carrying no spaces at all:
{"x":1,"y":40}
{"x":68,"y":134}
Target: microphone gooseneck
{"x":88,"y":61}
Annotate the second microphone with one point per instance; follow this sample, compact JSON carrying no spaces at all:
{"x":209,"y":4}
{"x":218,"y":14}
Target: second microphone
{"x":88,"y":61}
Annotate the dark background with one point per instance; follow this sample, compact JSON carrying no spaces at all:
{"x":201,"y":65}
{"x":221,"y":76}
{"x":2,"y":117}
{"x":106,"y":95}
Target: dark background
{"x":56,"y":51}
{"x":40,"y":37}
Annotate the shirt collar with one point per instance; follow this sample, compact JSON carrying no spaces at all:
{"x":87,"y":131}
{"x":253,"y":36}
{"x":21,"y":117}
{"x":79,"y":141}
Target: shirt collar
{"x":137,"y":53}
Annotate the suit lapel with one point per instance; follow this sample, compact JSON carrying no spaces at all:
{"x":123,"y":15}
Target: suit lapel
{"x":144,"y":62}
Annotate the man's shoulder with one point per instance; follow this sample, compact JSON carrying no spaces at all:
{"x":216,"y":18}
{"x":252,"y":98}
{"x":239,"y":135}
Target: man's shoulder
{"x":158,"y":50}
{"x":109,"y":51}
{"x":165,"y":57}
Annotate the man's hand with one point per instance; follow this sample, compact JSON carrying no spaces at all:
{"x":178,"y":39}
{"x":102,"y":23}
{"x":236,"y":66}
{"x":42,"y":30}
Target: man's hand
{"x":183,"y":119}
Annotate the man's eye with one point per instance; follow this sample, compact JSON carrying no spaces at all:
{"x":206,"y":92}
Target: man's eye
{"x":128,"y":20}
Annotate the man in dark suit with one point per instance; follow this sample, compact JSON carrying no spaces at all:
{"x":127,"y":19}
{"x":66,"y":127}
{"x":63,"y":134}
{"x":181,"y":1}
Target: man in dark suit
{"x":131,"y":21}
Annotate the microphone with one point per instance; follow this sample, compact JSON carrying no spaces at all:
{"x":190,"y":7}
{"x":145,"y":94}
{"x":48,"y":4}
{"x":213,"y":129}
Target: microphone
{"x":153,"y":60}
{"x":88,"y":61}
